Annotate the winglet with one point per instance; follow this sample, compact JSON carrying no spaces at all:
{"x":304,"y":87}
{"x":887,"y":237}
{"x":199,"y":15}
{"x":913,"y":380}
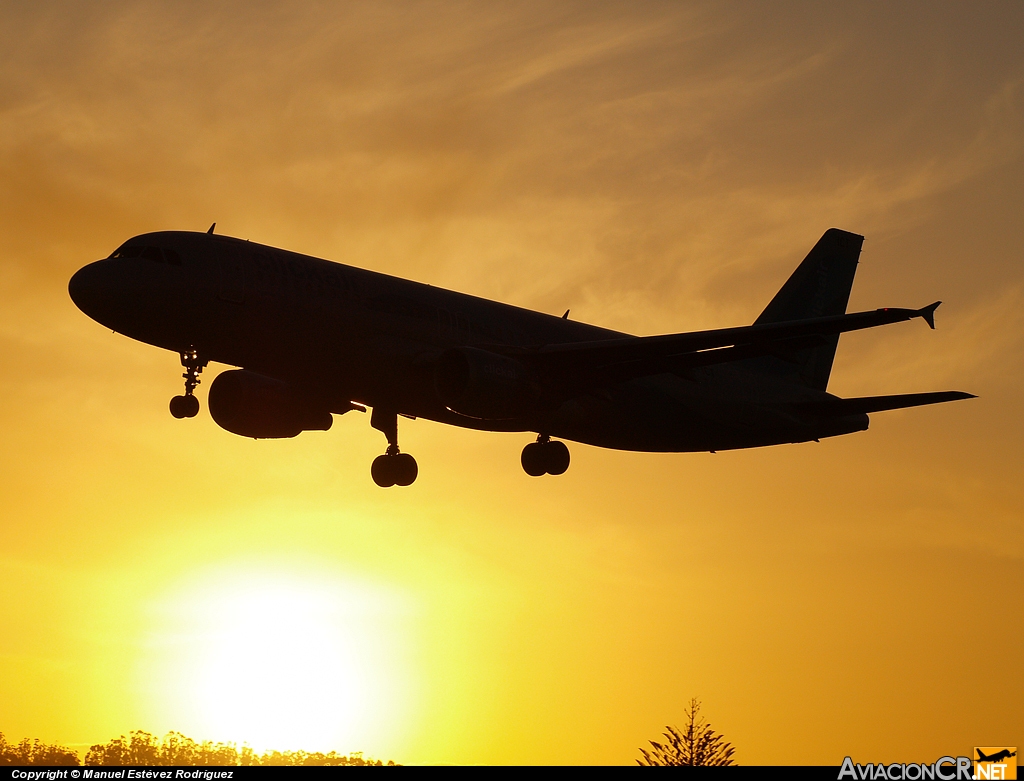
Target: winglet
{"x":212,"y":227}
{"x":928,"y":313}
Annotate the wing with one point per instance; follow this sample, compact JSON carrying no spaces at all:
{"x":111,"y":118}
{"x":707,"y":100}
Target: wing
{"x":577,"y":367}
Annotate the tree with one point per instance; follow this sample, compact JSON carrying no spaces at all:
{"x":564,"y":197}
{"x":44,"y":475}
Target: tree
{"x":142,"y":748}
{"x":35,"y":752}
{"x":696,"y":744}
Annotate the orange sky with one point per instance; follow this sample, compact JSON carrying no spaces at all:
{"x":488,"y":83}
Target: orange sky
{"x":655,"y":167}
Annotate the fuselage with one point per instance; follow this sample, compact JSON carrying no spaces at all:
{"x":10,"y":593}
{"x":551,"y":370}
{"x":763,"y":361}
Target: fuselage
{"x":344,"y":334}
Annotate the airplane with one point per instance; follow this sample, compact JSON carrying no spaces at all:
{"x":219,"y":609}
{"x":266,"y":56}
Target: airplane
{"x":311,"y":339}
{"x":999,"y":756}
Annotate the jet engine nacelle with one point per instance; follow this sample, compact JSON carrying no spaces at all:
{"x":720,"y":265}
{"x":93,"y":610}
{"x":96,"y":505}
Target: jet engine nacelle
{"x":251,"y":405}
{"x":485,"y":385}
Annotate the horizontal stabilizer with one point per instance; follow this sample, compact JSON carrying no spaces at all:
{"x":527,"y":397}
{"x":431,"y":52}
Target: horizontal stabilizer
{"x":857,"y":406}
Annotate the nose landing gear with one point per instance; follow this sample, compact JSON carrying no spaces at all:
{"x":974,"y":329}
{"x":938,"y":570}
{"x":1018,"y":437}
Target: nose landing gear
{"x":187,"y":406}
{"x":545,"y":457}
{"x":394,"y":467}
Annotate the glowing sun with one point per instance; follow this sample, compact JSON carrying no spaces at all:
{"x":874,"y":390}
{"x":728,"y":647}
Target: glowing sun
{"x":285,"y":662}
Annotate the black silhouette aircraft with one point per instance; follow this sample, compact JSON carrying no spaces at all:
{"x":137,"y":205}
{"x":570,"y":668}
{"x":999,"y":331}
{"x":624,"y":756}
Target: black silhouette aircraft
{"x":314,"y":339}
{"x":999,"y":756}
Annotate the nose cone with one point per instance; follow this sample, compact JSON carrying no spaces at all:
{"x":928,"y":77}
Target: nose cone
{"x":90,"y":289}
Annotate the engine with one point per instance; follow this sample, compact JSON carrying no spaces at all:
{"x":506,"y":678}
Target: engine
{"x":251,"y":405}
{"x":485,"y":385}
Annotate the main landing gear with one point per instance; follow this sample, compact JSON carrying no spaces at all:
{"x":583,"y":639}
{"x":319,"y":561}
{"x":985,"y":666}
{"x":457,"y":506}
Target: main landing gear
{"x":394,"y":467}
{"x":545,"y":457}
{"x":187,"y":406}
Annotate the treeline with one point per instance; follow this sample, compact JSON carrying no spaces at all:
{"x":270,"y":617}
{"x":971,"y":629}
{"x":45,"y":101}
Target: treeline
{"x":35,"y":752}
{"x":142,"y":748}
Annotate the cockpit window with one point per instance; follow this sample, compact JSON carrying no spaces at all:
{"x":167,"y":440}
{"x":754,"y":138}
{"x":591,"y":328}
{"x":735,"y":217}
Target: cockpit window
{"x":147,"y":252}
{"x":126,"y":251}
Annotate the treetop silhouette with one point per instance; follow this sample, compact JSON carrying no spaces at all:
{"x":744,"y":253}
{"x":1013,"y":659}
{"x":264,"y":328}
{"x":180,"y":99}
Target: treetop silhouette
{"x":696,"y":745}
{"x":142,"y":748}
{"x":35,"y":752}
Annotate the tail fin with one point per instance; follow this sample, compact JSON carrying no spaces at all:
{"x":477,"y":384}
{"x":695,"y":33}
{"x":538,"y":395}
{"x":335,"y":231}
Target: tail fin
{"x":819,"y":287}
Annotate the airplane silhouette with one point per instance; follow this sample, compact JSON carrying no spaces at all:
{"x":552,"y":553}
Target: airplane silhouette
{"x":314,"y":338}
{"x":999,"y":756}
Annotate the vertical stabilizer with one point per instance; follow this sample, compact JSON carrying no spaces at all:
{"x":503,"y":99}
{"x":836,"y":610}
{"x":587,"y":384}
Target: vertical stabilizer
{"x":820,"y":287}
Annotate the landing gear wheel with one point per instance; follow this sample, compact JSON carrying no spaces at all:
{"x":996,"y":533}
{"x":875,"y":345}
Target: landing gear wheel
{"x":178,"y":407}
{"x":557,"y":458}
{"x":545,"y":457}
{"x":404,"y":469}
{"x":382,"y":471}
{"x":184,"y":406}
{"x":394,"y":469}
{"x":533,"y":459}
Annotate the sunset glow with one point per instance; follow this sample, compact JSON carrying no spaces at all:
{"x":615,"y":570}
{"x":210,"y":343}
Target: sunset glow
{"x":652,"y":167}
{"x":277,"y":660}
